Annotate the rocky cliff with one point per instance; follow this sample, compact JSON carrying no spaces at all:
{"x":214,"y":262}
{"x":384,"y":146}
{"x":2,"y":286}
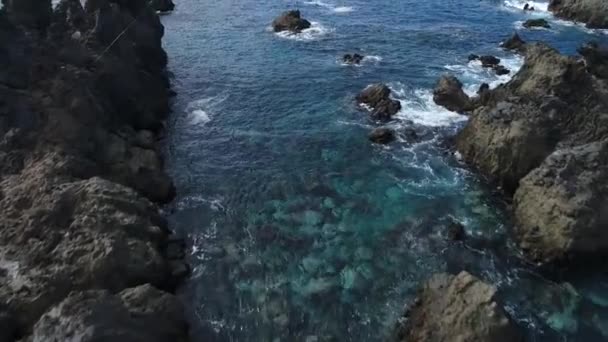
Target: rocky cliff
{"x":542,"y":137}
{"x":83,"y":249}
{"x":594,"y":13}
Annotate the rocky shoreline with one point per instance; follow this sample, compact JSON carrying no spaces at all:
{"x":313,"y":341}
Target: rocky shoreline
{"x":85,"y":250}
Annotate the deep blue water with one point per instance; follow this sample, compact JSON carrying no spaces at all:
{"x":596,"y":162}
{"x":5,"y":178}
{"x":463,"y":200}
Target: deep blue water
{"x":301,"y":228}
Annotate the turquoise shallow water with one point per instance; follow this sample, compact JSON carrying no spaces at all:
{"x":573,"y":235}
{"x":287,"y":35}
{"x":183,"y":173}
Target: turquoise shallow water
{"x":300,"y":228}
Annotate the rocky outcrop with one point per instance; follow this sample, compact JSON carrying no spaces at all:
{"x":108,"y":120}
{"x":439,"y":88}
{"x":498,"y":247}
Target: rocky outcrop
{"x":80,"y":234}
{"x":449,"y":94}
{"x":377,"y":98}
{"x":562,"y":206}
{"x":456,"y":308}
{"x":382,"y":135}
{"x":290,"y":21}
{"x":514,"y":43}
{"x":531,"y":23}
{"x":592,"y":12}
{"x":553,"y":104}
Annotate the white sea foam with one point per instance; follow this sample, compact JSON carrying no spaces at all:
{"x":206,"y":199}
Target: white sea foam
{"x":539,"y":6}
{"x":199,"y":112}
{"x":473,"y":74}
{"x":331,"y":7}
{"x":364,"y":61}
{"x":418,"y":106}
{"x":315,"y":32}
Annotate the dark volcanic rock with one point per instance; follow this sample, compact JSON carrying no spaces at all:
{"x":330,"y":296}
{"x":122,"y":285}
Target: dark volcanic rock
{"x":382,"y":135}
{"x":514,"y":43}
{"x":163,"y":5}
{"x":596,"y":59}
{"x":77,"y":180}
{"x":290,"y":21}
{"x":592,"y":12}
{"x":501,"y":70}
{"x":489,"y":61}
{"x":473,"y":57}
{"x":553,"y":104}
{"x":536,"y":23}
{"x":456,"y":308}
{"x":483,"y":88}
{"x":352,"y":59}
{"x":377,"y":97}
{"x":449,"y":94}
{"x":456,"y":231}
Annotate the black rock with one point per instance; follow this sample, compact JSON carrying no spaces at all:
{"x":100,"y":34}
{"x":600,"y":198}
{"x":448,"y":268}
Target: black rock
{"x":514,"y":43}
{"x":473,"y":57}
{"x":483,"y":88}
{"x":290,"y":21}
{"x":489,"y":61}
{"x":382,"y":135}
{"x":456,"y":231}
{"x":501,"y":70}
{"x":536,"y":23}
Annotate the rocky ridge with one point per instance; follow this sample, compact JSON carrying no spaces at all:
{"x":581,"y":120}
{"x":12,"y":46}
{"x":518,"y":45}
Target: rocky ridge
{"x":541,"y":137}
{"x":84,"y":250}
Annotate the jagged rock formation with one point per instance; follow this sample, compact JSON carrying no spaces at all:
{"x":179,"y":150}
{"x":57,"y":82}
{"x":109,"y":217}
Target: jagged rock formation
{"x":456,"y":308}
{"x":377,"y":98}
{"x":530,"y":23}
{"x":449,"y":94}
{"x":79,"y":172}
{"x":290,"y":21}
{"x":592,"y":12}
{"x":542,"y":137}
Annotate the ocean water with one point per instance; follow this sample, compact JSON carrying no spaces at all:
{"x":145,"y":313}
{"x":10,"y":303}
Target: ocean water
{"x":300,"y":228}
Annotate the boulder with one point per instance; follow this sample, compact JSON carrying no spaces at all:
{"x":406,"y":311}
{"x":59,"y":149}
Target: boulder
{"x":483,"y":88}
{"x":473,"y":57}
{"x":456,"y":308}
{"x":488,"y":61}
{"x":382,"y":135}
{"x":514,"y":43}
{"x":290,"y":21}
{"x":501,"y":70}
{"x":377,"y":98}
{"x":449,"y":94}
{"x":561,"y":207}
{"x":455,"y":231}
{"x":136,"y":314}
{"x":592,"y":12}
{"x":530,"y":23}
{"x":596,"y":59}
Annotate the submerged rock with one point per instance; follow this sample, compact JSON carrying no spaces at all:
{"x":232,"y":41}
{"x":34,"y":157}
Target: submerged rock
{"x":456,"y":231}
{"x":377,"y":97}
{"x":536,"y":23}
{"x":449,"y":94}
{"x":352,"y":59}
{"x":592,"y":12}
{"x":382,"y":135}
{"x":290,"y":21}
{"x":456,"y":308}
{"x":514,"y":43}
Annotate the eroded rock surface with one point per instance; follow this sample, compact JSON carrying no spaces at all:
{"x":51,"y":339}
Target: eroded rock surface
{"x":592,"y":12}
{"x":552,"y":111}
{"x":449,"y":94}
{"x":456,"y":308}
{"x":79,"y":169}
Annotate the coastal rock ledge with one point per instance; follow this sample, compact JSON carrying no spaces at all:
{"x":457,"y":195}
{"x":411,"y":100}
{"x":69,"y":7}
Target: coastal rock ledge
{"x":83,"y":246}
{"x":594,"y":13}
{"x":456,"y":308}
{"x":542,"y":137}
